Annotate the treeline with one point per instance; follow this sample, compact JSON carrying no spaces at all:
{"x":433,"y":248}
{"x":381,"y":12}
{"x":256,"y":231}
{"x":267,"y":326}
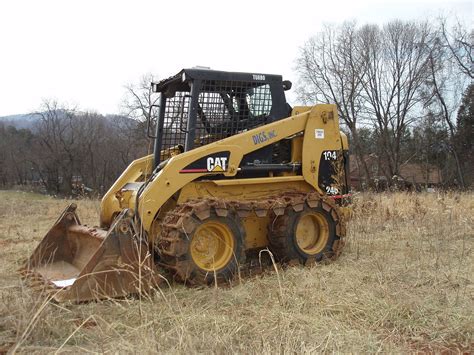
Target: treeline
{"x":404,"y":93}
{"x":69,"y":152}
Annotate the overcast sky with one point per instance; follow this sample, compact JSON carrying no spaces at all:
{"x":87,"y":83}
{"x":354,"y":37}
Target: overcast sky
{"x":84,"y":52}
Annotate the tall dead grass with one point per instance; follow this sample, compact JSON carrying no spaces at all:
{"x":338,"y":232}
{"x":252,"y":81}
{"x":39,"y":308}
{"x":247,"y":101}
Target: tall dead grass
{"x":403,"y":283}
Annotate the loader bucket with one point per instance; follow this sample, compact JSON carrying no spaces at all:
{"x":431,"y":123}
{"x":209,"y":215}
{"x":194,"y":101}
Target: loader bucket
{"x":78,"y":263}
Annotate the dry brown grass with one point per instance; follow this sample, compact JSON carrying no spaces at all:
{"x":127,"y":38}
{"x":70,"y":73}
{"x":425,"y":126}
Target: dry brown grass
{"x":404,"y":283}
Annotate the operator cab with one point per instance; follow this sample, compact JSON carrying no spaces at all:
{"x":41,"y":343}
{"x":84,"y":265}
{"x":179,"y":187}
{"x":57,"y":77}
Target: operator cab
{"x":200,"y":106}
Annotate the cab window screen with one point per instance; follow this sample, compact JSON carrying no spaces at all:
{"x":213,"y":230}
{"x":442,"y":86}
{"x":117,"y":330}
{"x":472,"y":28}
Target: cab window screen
{"x":224,"y":108}
{"x":229,"y":107}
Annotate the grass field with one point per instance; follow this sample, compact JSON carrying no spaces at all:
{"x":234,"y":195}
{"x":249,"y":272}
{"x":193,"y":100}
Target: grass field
{"x":404,"y":283}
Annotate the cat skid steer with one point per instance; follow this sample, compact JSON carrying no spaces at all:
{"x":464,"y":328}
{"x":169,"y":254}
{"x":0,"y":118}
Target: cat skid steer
{"x":235,"y":170}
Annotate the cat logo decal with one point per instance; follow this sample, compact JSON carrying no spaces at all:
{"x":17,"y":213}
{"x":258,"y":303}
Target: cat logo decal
{"x":217,"y":164}
{"x":212,"y":163}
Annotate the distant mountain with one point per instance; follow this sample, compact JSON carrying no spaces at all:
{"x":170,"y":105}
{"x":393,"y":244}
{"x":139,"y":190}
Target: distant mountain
{"x":19,"y":121}
{"x":28,"y":121}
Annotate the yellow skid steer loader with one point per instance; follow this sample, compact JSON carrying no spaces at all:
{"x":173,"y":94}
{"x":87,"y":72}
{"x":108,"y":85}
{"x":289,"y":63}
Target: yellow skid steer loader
{"x":235,"y":170}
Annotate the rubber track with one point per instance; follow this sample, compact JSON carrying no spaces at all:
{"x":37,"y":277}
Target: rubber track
{"x":173,"y":241}
{"x":278,"y":228}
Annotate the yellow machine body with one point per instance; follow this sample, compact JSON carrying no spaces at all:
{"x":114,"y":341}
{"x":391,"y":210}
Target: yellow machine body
{"x":145,"y":208}
{"x":305,"y":120}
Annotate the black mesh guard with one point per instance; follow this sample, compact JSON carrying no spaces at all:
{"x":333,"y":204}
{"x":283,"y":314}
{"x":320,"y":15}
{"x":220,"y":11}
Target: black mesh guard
{"x":224,"y":108}
{"x":175,"y":124}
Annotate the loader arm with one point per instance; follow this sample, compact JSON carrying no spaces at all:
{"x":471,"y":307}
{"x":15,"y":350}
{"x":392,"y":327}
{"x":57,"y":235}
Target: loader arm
{"x":169,"y":180}
{"x":136,"y":171}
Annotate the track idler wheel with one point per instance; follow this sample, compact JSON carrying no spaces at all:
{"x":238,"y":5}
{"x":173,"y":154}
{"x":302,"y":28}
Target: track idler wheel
{"x":200,"y":247}
{"x":306,"y":233}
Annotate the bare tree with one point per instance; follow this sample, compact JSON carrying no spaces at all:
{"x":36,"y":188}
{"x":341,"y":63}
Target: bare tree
{"x":450,"y":70}
{"x":140,"y":104}
{"x":331,"y":70}
{"x":459,"y":43}
{"x":15,"y":145}
{"x":83,"y":149}
{"x":56,"y":159}
{"x":140,"y":101}
{"x":396,"y":66}
{"x":465,"y":131}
